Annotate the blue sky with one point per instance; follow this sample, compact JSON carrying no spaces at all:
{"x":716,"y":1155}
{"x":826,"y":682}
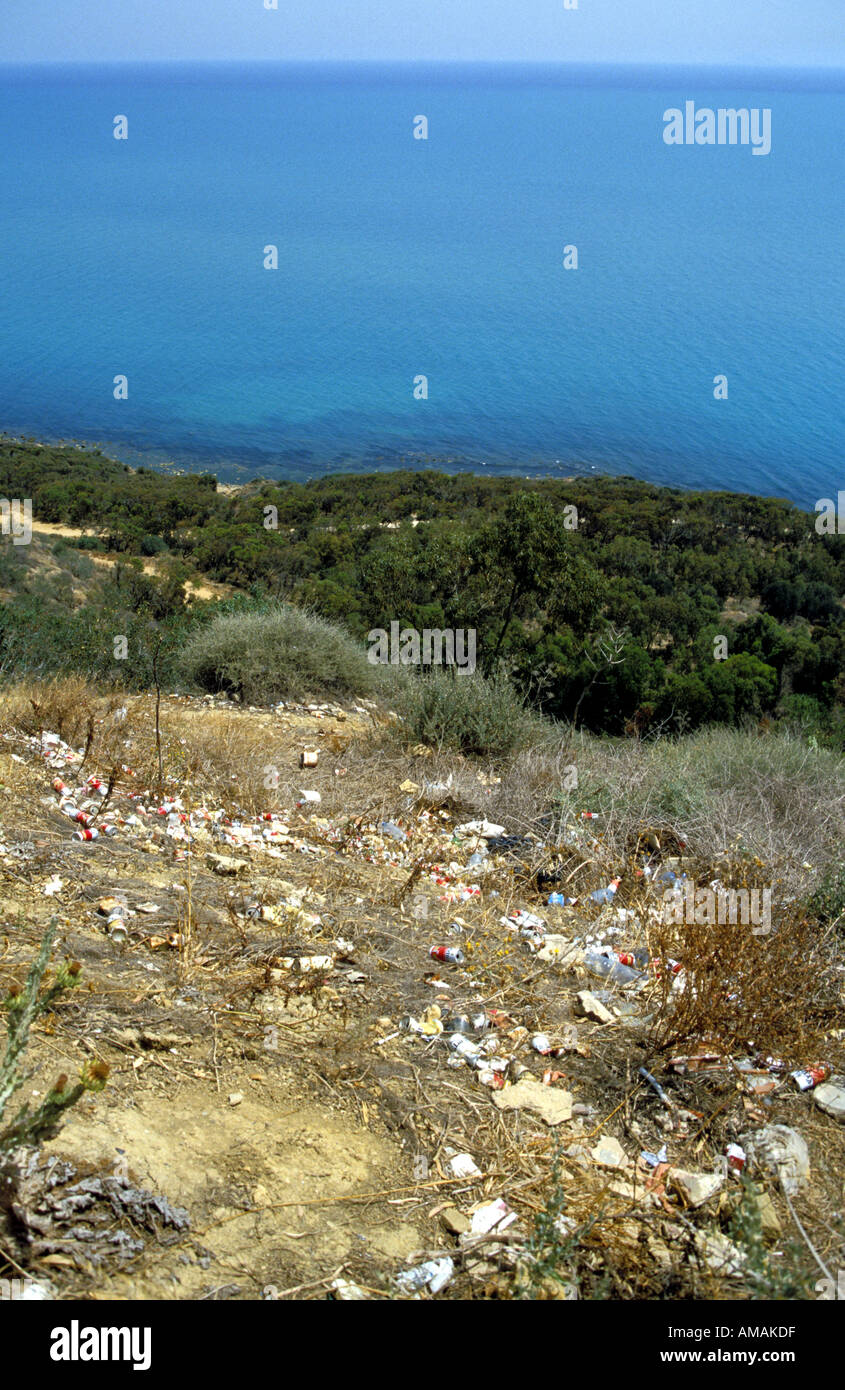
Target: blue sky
{"x":752,"y":32}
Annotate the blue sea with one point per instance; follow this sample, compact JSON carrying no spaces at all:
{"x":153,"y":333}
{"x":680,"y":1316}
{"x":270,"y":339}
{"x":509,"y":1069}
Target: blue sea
{"x":401,"y":258}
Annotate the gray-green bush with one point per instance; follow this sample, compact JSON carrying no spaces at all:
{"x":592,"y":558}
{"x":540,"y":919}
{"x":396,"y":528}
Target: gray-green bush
{"x":279,"y":652}
{"x":467,"y":713}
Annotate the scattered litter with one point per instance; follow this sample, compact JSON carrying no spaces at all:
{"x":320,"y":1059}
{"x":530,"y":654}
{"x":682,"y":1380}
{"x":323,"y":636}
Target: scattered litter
{"x":463,"y":1166}
{"x":483,"y":828}
{"x":347,"y":1291}
{"x":433,"y":1275}
{"x":807,"y":1079}
{"x":451,"y":955}
{"x":492,"y":1216}
{"x":782,"y":1151}
{"x":720,"y":1254}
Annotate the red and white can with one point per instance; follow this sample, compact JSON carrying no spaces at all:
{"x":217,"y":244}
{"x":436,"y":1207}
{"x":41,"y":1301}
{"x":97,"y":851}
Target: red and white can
{"x":809,"y":1077}
{"x":86,"y":834}
{"x":453,"y":955}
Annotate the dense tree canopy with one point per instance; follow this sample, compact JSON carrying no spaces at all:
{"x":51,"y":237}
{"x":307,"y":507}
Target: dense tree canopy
{"x":723,"y":607}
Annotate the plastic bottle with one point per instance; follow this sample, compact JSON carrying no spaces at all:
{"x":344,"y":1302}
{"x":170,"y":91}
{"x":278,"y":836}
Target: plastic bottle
{"x":609,"y":968}
{"x":606,"y":895}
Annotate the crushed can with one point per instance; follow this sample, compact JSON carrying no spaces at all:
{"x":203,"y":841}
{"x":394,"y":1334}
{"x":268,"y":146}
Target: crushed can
{"x":808,"y":1078}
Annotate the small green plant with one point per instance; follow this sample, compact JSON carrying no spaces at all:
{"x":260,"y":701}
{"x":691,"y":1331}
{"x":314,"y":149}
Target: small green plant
{"x":769,"y":1276}
{"x":547,"y":1265}
{"x":23,"y":1006}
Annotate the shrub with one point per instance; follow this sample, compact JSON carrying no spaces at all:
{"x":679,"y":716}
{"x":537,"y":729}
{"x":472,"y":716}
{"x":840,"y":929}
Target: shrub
{"x":828,"y":902}
{"x":153,"y":545}
{"x":467,"y":713}
{"x":273,"y":653}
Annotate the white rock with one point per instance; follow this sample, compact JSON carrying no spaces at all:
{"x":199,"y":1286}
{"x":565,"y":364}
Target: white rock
{"x":609,"y":1153}
{"x":593,"y":1007}
{"x":695,"y":1188}
{"x":553,"y":1106}
{"x":831,"y":1099}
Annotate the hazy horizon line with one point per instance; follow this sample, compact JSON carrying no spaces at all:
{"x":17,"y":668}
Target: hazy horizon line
{"x":705,"y":65}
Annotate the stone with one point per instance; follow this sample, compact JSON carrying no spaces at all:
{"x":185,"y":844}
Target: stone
{"x":831,"y":1099}
{"x":224,"y":865}
{"x":551,"y":1105}
{"x":609,"y":1153}
{"x":695,"y":1188}
{"x":769,"y":1222}
{"x":593,"y":1007}
{"x":455,"y":1221}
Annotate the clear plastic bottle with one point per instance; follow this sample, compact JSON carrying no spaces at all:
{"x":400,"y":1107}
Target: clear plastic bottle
{"x":609,"y":968}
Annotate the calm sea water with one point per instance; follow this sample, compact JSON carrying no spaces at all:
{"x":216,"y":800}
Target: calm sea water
{"x":400,"y":257}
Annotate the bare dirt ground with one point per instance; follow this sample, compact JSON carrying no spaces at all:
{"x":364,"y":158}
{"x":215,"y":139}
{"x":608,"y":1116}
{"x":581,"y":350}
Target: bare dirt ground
{"x":196,"y":588}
